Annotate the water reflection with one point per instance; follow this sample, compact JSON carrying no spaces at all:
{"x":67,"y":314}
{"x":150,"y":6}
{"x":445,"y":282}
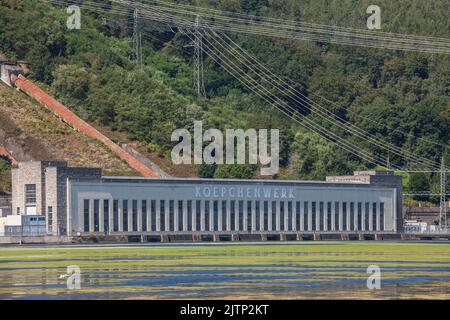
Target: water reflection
{"x":138,"y":273}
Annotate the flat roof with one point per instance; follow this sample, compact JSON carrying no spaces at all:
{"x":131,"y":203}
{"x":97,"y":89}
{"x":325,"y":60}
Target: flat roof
{"x":118,"y":179}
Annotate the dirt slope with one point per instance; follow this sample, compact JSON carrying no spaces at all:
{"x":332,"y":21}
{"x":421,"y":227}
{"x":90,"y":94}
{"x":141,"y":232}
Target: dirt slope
{"x":29,"y":132}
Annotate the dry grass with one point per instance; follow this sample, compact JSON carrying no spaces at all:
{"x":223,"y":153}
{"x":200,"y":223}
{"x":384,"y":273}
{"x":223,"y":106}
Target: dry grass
{"x":42,"y":136}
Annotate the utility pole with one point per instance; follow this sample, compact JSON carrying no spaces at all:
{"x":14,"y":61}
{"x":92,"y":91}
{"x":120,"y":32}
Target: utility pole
{"x":198,"y":60}
{"x":388,"y":163}
{"x":443,"y":203}
{"x":137,"y":40}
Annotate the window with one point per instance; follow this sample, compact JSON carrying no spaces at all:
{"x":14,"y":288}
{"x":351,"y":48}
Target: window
{"x":381,"y":216}
{"x":144,"y":215}
{"x":86,"y":215}
{"x":328,"y":216}
{"x":241,"y":215}
{"x":374,"y":216}
{"x":367,"y":216}
{"x":216,"y":215}
{"x":134,"y":214}
{"x":180,"y":215}
{"x":305,"y":218}
{"x":162,"y":215}
{"x":352,"y":216}
{"x":313,"y":216}
{"x":96,"y":215}
{"x":266,"y":215}
{"x":359,"y":216}
{"x":297,"y":216}
{"x":224,"y":215}
{"x":257,"y":215}
{"x":321,"y":216}
{"x":233,"y":215}
{"x":171,"y":215}
{"x":116,"y":215}
{"x":125,"y":214}
{"x":189,"y":217}
{"x":281,"y":216}
{"x":344,"y":216}
{"x":289,"y":215}
{"x":274,"y":215}
{"x":198,"y":215}
{"x":106,"y":215}
{"x":249,"y":216}
{"x":207,"y":213}
{"x":336,"y":215}
{"x":30,"y":194}
{"x":153,"y":214}
{"x":50,"y":218}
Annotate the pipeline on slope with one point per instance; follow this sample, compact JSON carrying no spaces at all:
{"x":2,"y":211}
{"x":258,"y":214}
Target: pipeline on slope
{"x":77,"y":123}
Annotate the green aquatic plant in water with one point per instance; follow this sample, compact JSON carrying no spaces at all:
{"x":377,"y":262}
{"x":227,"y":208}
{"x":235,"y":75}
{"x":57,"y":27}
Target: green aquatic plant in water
{"x":228,"y":270}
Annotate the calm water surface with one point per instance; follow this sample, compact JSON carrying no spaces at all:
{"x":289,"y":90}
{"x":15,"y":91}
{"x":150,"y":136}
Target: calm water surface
{"x":233,"y":271}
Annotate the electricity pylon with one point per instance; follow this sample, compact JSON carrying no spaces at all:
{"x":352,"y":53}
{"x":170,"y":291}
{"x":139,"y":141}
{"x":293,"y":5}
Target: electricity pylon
{"x":137,"y":40}
{"x":198,"y":60}
{"x":443,"y":203}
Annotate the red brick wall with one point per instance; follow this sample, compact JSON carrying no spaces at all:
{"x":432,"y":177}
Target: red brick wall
{"x":77,"y":123}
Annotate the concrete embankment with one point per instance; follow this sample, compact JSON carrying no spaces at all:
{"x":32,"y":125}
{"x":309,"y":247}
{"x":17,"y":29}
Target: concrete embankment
{"x":35,"y":240}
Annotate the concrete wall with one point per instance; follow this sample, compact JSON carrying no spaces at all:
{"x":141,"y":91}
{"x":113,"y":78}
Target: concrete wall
{"x":51,"y":197}
{"x":64,"y":189}
{"x":50,"y":179}
{"x":379,"y":178}
{"x":177,"y":189}
{"x":34,"y":239}
{"x":32,"y":172}
{"x":27,"y":173}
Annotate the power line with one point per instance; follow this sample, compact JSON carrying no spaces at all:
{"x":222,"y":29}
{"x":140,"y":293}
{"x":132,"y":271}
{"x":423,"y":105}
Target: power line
{"x":264,"y":93}
{"x":286,"y":108}
{"x":137,"y":39}
{"x":424,"y":160}
{"x":198,"y":60}
{"x":443,"y":203}
{"x":358,"y":116}
{"x":225,"y":21}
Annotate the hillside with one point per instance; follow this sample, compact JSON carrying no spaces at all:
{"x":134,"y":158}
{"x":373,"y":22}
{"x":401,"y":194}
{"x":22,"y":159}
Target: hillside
{"x":400,"y":97}
{"x":29,"y":132}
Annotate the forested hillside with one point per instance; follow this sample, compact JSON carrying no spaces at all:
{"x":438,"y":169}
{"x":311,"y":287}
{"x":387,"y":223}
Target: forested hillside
{"x":399,"y":96}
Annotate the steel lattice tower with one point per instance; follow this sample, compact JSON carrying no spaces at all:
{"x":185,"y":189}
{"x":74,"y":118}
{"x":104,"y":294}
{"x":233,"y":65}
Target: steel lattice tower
{"x":443,"y":203}
{"x":137,"y":39}
{"x":198,"y":60}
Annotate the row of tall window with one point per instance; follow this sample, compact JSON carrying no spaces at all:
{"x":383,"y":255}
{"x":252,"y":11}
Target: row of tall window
{"x":204,"y":215}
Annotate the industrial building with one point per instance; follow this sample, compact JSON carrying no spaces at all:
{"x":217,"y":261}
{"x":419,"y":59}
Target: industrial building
{"x":80,"y":201}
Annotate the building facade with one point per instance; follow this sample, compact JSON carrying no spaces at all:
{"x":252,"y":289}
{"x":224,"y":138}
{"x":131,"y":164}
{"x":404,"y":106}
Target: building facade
{"x":40,"y":188}
{"x":79,"y":201}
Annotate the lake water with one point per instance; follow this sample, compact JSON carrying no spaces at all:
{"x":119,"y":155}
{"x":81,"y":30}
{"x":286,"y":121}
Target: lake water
{"x":278,"y":270}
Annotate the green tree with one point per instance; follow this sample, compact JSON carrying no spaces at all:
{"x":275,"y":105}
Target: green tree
{"x":419,"y":182}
